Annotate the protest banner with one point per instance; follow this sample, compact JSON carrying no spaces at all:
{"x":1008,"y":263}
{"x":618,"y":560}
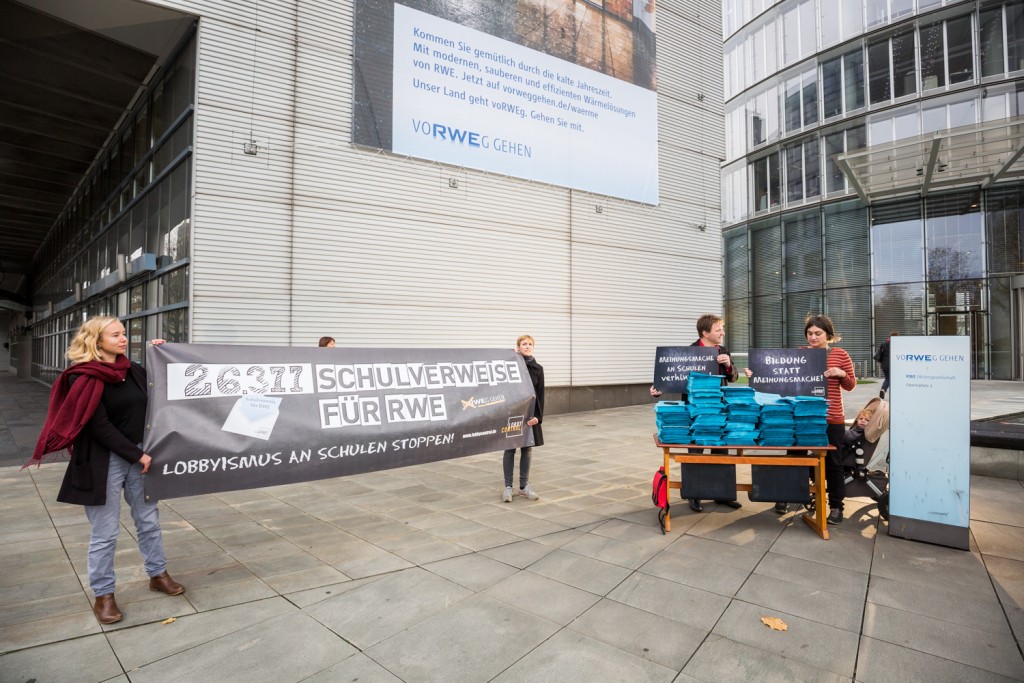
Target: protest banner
{"x":224,"y":418}
{"x":673,"y":364}
{"x":788,"y":372}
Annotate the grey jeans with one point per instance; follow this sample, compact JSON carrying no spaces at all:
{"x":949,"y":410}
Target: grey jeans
{"x":106,"y":526}
{"x":508,"y":463}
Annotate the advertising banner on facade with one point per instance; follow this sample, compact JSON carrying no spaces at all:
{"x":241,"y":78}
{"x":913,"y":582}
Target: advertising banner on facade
{"x":788,"y":372}
{"x":223,"y":418}
{"x":517,"y":88}
{"x":930,"y":439}
{"x":673,"y":364}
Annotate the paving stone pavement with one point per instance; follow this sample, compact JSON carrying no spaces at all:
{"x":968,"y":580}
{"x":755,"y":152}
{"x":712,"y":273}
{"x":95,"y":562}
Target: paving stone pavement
{"x":423,"y":574}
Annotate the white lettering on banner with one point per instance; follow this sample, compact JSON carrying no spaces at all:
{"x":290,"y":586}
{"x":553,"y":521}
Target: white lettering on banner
{"x":201,"y":380}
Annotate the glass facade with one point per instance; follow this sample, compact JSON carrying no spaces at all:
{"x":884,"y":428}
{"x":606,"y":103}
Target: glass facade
{"x":807,"y":80}
{"x":121,"y":247}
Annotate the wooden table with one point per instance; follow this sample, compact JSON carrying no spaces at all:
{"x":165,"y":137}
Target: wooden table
{"x":759,"y":456}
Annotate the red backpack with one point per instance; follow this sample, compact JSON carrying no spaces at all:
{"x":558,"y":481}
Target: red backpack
{"x":659,"y":495}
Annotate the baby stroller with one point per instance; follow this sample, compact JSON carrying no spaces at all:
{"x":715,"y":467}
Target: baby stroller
{"x":859,"y":461}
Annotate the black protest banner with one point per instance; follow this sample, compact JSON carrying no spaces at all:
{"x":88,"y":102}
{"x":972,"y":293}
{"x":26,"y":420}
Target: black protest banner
{"x":788,"y":372}
{"x":673,"y":364}
{"x":225,"y":418}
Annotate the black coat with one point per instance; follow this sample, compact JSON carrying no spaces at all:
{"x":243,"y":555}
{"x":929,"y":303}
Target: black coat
{"x":85,"y":480}
{"x":536,"y":371}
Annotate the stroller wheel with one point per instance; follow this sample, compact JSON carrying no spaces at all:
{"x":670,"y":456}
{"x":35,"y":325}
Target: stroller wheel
{"x":883,"y":506}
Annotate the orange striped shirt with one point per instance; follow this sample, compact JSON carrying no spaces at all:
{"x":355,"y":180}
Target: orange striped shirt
{"x":838,"y":358}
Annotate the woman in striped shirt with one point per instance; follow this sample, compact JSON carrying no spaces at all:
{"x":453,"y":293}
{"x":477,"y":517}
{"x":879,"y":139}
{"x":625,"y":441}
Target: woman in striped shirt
{"x":820,"y":332}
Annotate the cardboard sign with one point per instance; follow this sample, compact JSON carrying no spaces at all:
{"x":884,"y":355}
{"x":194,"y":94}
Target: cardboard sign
{"x":789,"y":372}
{"x":673,"y":364}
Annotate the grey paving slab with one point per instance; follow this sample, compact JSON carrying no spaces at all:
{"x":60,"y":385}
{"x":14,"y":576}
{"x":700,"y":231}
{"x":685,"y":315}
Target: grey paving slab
{"x":809,"y":602}
{"x":379,"y":609}
{"x":285,"y":648}
{"x":981,"y":649}
{"x":153,"y":642}
{"x":753,"y":530}
{"x":1001,"y":540}
{"x":882,"y":662}
{"x":639,"y":633}
{"x":358,"y":667}
{"x":51,"y":630}
{"x":520,"y":555}
{"x":994,"y":500}
{"x":811,"y":642}
{"x":303,"y":579}
{"x":43,"y":608}
{"x":984,"y":614}
{"x":476,"y":572}
{"x":430,"y":550}
{"x":225,"y":595}
{"x":825,"y":577}
{"x":675,"y":601}
{"x":472,"y":641}
{"x":697,"y":570}
{"x":1008,"y":579}
{"x":582,"y":572}
{"x":847,"y":547}
{"x":931,"y":566}
{"x":92,"y":657}
{"x":729,"y":661}
{"x":547,"y":598}
{"x":360,"y":559}
{"x":643,"y":533}
{"x":572,"y":657}
{"x":610,"y":550}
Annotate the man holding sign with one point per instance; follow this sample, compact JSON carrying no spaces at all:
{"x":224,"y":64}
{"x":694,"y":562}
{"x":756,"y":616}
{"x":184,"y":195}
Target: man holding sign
{"x":711,"y":329}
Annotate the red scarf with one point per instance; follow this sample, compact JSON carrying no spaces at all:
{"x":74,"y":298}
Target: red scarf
{"x":72,"y":406}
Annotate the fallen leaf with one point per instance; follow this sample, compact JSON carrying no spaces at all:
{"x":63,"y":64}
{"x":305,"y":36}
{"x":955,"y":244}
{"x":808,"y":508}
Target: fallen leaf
{"x":774,"y":623}
{"x":171,"y":620}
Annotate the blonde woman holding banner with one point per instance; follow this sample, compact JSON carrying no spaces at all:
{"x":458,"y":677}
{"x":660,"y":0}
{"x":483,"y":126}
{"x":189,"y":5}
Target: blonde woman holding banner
{"x":98,"y":413}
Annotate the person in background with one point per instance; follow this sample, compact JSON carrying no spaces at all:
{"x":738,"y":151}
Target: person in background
{"x":882,"y":356}
{"x":711,"y":329}
{"x":524,"y":347}
{"x":326,"y":342}
{"x":97,"y":412}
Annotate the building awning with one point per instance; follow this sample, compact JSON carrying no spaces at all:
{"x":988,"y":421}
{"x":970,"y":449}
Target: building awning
{"x":969,"y":156}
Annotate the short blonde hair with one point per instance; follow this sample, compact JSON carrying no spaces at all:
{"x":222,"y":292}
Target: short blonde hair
{"x":522,"y":337}
{"x":84,"y":345}
{"x":866,"y":412}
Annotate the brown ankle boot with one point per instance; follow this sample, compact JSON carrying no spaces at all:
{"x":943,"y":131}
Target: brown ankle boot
{"x":165,"y":584}
{"x":106,"y":610}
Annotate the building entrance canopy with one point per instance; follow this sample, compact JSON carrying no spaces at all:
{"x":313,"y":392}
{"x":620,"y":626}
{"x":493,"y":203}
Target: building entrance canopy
{"x":969,"y":156}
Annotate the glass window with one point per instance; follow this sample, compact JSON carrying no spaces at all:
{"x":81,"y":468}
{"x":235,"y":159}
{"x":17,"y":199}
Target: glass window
{"x":961,"y":58}
{"x":791,"y":36}
{"x":812,"y":169}
{"x":963,"y":113}
{"x":878,"y":72}
{"x":992,"y":42}
{"x":808,"y":29}
{"x":933,"y":57}
{"x":953,"y":238}
{"x":794,"y":173}
{"x":835,"y":181}
{"x":803,"y":273}
{"x":830,"y":23}
{"x":901,"y":8}
{"x":853,"y":18}
{"x":880,"y":130}
{"x":810,"y":98}
{"x":933,"y":119}
{"x":853,"y":74}
{"x":832,"y":87}
{"x":766,"y":278}
{"x":793,"y":105}
{"x":1015,"y":35}
{"x":905,"y":124}
{"x":903,"y":66}
{"x":878,"y":12}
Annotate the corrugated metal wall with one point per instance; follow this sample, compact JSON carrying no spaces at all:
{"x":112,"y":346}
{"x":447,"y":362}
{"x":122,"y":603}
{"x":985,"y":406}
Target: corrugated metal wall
{"x":313,"y":236}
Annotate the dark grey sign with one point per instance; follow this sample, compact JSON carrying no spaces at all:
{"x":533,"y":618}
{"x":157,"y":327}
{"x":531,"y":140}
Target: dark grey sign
{"x":224,"y":418}
{"x":789,"y":372}
{"x":672,"y":365}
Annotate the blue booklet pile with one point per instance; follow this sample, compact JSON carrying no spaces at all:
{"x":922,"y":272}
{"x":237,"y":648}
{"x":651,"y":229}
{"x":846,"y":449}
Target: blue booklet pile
{"x":777,"y":425}
{"x":809,"y":420}
{"x":673,"y":420}
{"x":744,"y":416}
{"x":706,"y":408}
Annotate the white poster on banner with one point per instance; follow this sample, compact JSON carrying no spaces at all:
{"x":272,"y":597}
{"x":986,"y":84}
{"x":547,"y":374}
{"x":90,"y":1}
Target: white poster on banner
{"x":930,"y":440}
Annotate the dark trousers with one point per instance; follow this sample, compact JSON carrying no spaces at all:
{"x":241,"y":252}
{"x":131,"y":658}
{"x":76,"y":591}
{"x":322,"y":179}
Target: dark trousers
{"x":835,"y":477}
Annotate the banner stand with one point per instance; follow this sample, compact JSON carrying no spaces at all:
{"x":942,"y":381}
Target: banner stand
{"x":930,"y":440}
